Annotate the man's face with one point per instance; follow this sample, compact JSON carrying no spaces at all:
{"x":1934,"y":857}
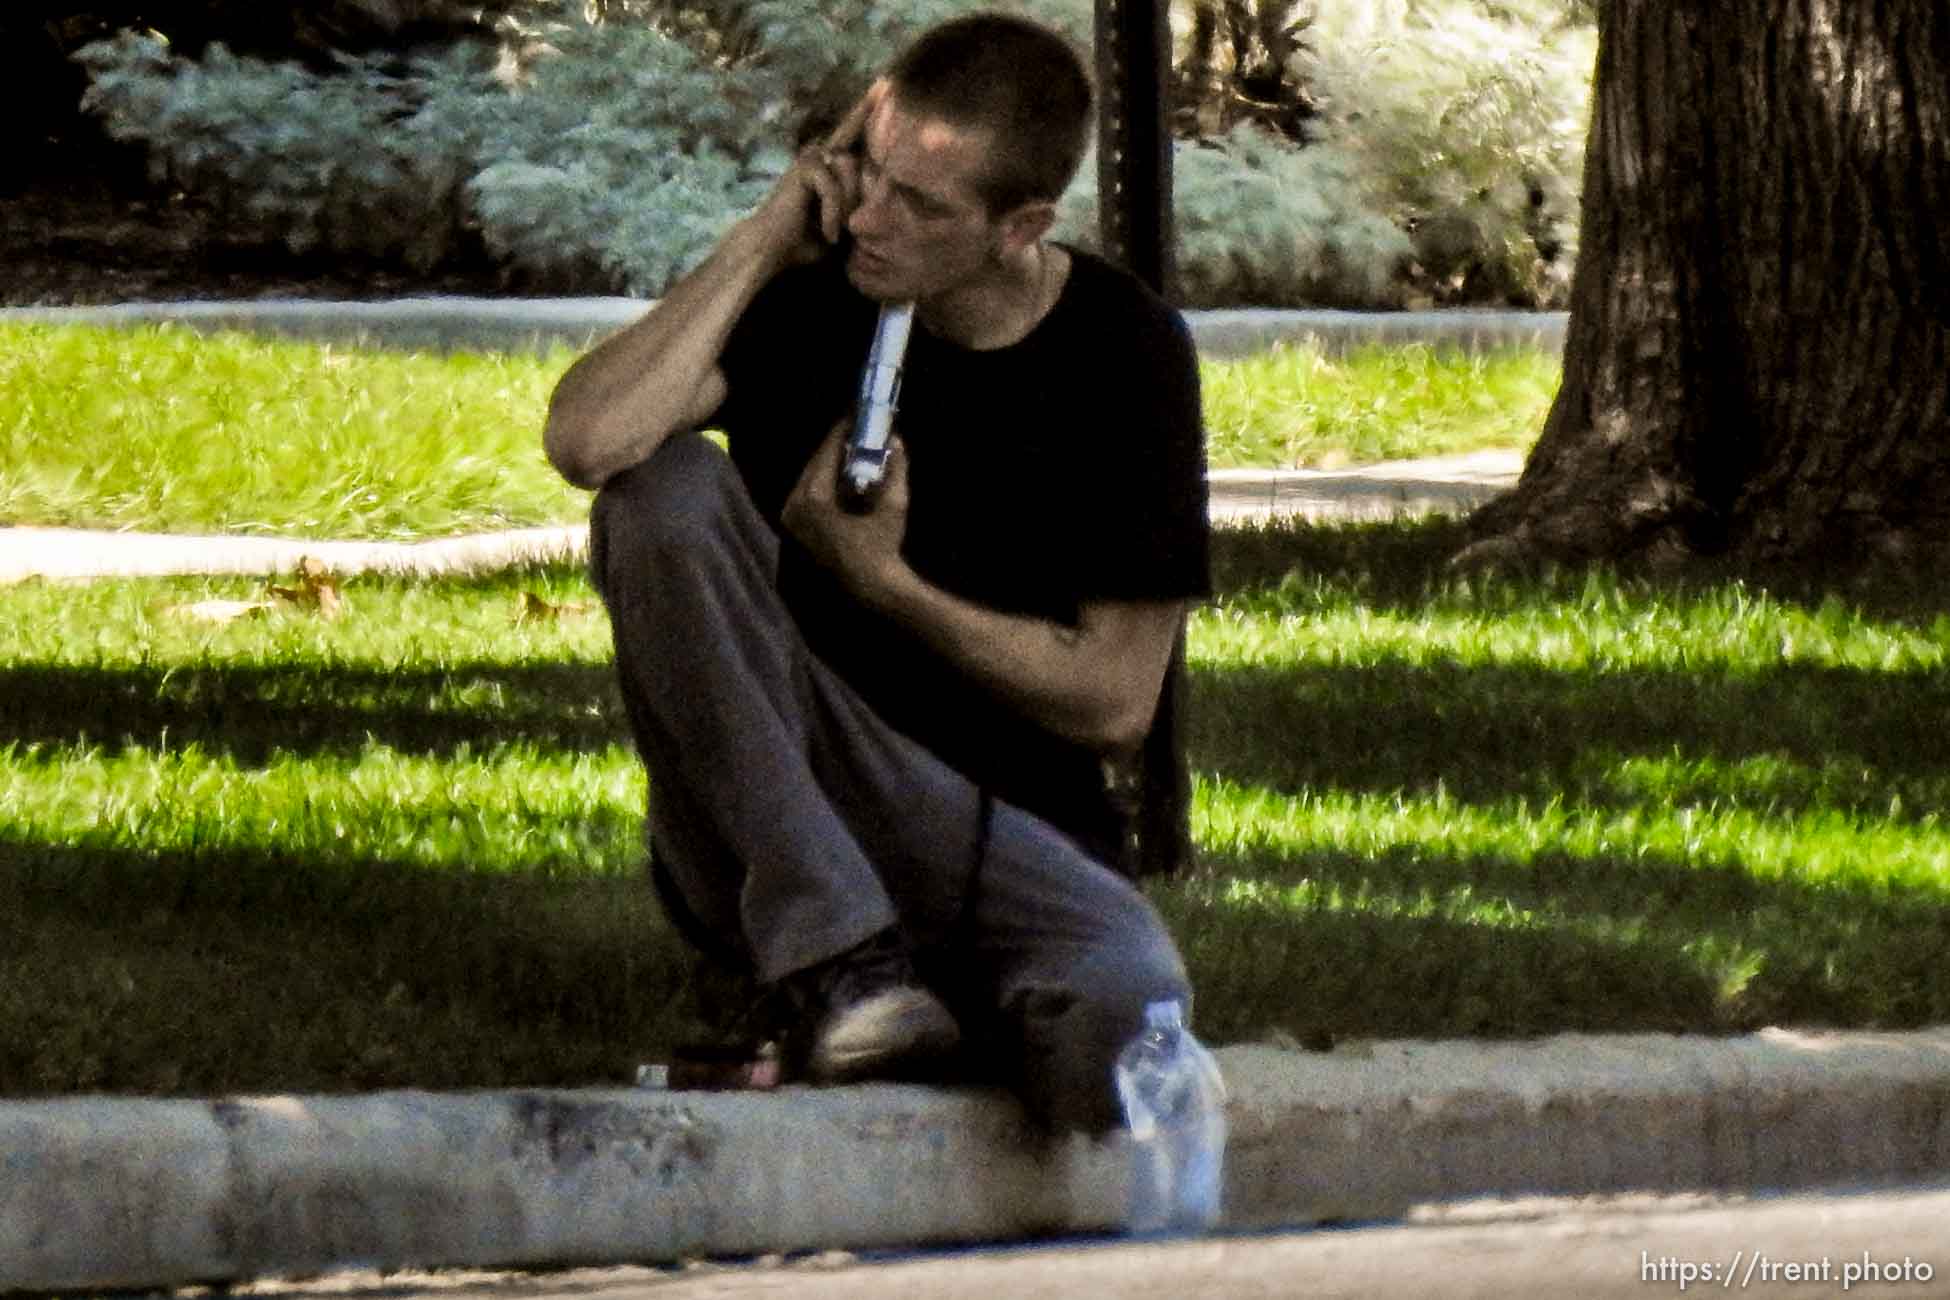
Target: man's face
{"x":921,"y":228}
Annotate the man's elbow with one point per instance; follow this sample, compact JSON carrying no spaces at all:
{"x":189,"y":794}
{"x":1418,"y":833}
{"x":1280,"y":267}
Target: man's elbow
{"x":578,"y":442}
{"x":568,"y":450}
{"x":1119,"y":723}
{"x":1120,"y":686}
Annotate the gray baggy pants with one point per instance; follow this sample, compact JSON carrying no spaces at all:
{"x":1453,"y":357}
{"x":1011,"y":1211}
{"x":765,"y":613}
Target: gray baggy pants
{"x":794,"y":823}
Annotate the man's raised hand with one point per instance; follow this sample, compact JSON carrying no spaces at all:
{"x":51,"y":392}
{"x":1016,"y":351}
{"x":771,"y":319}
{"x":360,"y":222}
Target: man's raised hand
{"x":806,"y":211}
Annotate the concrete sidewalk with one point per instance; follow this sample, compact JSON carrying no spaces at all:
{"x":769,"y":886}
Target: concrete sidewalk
{"x":1879,"y":1243}
{"x":1380,"y":491}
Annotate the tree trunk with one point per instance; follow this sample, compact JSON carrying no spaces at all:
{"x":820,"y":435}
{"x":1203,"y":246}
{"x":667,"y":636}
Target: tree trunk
{"x":1758,"y":358}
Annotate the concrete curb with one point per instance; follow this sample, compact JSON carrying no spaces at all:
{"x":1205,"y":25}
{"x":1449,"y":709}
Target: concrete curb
{"x":539,"y":324}
{"x":102,"y":1192}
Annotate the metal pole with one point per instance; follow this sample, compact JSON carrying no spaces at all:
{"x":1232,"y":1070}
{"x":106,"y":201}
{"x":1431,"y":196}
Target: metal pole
{"x":1134,"y":206}
{"x":1133,"y":139}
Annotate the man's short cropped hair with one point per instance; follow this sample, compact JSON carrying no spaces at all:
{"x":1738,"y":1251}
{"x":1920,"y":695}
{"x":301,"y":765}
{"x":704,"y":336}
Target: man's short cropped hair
{"x":1023,"y":82}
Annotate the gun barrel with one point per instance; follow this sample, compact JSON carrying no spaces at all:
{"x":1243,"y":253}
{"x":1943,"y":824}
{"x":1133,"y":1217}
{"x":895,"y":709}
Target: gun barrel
{"x":865,"y":462}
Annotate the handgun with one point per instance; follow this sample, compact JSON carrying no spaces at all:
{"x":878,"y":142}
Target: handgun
{"x":863,"y":466}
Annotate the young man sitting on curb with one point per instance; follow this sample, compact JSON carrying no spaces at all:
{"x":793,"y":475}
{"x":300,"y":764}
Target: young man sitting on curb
{"x":879,"y":743}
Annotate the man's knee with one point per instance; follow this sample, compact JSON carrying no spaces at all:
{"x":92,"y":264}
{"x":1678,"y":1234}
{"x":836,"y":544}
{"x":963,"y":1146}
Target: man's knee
{"x":1071,"y":1033}
{"x":666,"y":497}
{"x":664,"y":514}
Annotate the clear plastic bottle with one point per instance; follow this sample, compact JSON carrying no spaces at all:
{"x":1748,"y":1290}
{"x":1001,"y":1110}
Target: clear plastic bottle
{"x":1174,"y":1105}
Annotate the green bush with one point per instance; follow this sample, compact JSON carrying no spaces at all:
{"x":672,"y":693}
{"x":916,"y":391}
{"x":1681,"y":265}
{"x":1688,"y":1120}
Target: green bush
{"x":611,"y":162}
{"x":1466,"y":121}
{"x":624,"y":157}
{"x":367,"y":161}
{"x":1446,"y":139}
{"x":1442,"y":163}
{"x":637,"y":141}
{"x":1443,"y":152}
{"x":609,"y":156}
{"x":1239,"y":61}
{"x":41,"y":85}
{"x":271,"y":29}
{"x":1262,"y":222}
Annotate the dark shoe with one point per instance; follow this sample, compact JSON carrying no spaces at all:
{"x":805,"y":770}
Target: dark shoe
{"x":863,"y":1014}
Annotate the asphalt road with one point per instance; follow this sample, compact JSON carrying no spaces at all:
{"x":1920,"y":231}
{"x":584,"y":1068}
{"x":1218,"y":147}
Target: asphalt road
{"x":1889,"y":1243}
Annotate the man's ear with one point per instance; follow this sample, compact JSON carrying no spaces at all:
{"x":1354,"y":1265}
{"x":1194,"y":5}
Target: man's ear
{"x":1026,"y":223}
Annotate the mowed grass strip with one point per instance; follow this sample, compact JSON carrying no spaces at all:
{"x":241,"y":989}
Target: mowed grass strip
{"x":162,"y":429}
{"x":1301,"y":406}
{"x":401,"y":846}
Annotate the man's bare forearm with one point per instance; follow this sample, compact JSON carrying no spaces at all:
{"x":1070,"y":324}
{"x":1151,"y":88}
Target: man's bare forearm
{"x":1096,"y":683}
{"x":617,"y":404}
{"x":660,"y":375}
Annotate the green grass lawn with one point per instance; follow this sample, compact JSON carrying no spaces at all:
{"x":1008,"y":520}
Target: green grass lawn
{"x":400,"y":847}
{"x":165,"y":430}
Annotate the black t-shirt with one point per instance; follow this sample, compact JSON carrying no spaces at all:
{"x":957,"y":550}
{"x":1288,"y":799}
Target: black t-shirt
{"x":1066,"y":468}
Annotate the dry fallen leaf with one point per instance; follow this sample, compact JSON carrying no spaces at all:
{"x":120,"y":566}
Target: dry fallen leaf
{"x":536,"y":610}
{"x":316,"y":589}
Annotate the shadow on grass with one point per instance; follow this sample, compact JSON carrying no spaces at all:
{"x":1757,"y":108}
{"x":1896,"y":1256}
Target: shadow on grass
{"x":222,"y":971}
{"x":1827,"y":738}
{"x":1398,"y":560}
{"x":1419,"y":943}
{"x":1397,"y":564}
{"x":252,"y":712}
{"x":1321,"y":973}
{"x":1417,"y":940}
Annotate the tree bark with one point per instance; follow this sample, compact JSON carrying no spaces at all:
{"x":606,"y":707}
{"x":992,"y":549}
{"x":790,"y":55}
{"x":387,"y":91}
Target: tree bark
{"x":1758,"y":358}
